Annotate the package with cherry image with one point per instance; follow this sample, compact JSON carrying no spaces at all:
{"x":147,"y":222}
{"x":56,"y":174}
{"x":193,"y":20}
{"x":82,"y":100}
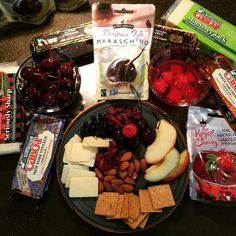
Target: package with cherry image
{"x":212,"y":148}
{"x":122,"y":37}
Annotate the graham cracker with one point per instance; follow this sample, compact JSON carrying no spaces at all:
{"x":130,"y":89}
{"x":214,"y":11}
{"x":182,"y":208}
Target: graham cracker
{"x":161,"y":196}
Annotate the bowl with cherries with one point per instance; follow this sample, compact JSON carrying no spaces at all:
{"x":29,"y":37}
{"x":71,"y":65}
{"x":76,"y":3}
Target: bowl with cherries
{"x":48,"y":83}
{"x":176,"y":78}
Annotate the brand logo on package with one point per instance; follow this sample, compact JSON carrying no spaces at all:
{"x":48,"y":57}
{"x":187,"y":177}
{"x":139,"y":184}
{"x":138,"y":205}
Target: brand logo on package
{"x":37,"y":155}
{"x":209,"y":20}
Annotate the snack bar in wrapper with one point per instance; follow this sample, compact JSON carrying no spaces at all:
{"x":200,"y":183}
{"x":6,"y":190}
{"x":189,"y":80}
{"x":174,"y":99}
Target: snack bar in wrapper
{"x":11,"y":116}
{"x":33,"y":168}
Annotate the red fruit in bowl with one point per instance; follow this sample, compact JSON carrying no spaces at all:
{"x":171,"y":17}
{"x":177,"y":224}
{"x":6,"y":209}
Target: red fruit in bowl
{"x":66,"y":69}
{"x":49,"y":100}
{"x":176,"y":69}
{"x":49,"y":64}
{"x":40,"y":79}
{"x":63,"y":95}
{"x":189,"y":92}
{"x":174,"y":95}
{"x":181,"y":81}
{"x":160,"y":86}
{"x":191,"y":77}
{"x":27,"y":73}
{"x":168,"y":76}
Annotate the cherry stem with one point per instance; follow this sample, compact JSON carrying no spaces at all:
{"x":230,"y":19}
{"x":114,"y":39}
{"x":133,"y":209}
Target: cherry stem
{"x":139,"y":98}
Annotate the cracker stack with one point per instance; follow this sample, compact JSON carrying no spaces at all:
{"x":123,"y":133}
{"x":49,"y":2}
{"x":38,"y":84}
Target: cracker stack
{"x":132,"y":209}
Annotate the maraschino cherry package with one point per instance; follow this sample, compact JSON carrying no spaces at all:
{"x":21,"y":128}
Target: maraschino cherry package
{"x":212,"y":148}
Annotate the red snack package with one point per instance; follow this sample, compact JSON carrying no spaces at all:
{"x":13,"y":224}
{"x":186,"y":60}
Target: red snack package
{"x":212,"y":148}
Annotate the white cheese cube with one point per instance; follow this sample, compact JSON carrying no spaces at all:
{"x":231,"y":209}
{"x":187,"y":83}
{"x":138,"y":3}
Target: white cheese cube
{"x":78,"y":173}
{"x":79,"y":153}
{"x":66,"y":169}
{"x":83,"y":187}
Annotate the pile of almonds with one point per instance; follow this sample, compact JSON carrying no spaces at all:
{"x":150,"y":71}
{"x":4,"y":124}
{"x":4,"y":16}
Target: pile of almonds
{"x":123,"y":178}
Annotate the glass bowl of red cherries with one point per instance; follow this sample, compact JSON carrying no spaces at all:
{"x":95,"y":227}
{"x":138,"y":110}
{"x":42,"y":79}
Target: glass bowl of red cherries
{"x":176,"y":78}
{"x":48,"y":83}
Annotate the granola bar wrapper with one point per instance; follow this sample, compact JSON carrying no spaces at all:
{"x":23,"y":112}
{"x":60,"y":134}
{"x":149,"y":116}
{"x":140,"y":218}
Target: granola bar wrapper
{"x":33,"y":168}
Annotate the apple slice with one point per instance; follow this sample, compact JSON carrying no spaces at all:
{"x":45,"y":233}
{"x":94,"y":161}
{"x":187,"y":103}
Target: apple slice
{"x":165,"y":140}
{"x":159,"y":171}
{"x":180,"y":168}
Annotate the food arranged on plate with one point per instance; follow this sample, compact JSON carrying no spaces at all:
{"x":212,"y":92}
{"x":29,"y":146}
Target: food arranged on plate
{"x":103,"y":159}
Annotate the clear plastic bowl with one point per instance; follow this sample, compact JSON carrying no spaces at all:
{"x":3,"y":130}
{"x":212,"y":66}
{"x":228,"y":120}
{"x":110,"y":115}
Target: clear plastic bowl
{"x":47,"y":91}
{"x":175,"y":77}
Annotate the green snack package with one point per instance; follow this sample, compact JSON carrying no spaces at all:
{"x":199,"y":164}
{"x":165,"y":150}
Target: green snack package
{"x":212,"y":31}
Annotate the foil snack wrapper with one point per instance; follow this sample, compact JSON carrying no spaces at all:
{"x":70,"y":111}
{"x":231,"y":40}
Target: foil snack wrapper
{"x":33,"y":168}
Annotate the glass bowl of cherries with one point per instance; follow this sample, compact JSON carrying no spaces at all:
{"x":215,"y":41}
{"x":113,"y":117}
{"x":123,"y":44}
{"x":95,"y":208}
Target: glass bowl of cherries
{"x":48,"y":83}
{"x":176,"y":78}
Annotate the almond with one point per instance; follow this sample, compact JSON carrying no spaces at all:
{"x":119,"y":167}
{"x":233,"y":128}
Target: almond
{"x":135,"y":175}
{"x":128,"y":188}
{"x":123,"y":174}
{"x":136,"y":165}
{"x":109,"y":178}
{"x":117,"y":188}
{"x":126,"y":156}
{"x":117,"y":181}
{"x":130,"y":169}
{"x":129,"y":180}
{"x":107,"y":186}
{"x":98,"y":173}
{"x":124,"y":165}
{"x":143,"y":165}
{"x":100,"y":186}
{"x":112,"y":171}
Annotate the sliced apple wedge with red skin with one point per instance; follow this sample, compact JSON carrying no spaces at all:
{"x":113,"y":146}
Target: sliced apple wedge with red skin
{"x":180,"y":168}
{"x":166,"y":136}
{"x":161,"y":170}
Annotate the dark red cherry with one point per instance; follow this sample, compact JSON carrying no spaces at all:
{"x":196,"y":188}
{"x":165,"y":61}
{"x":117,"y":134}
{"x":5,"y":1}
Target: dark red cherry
{"x":40,"y":79}
{"x":27,"y":73}
{"x":49,"y":100}
{"x":63,"y":96}
{"x":149,"y":136}
{"x":67,"y":82}
{"x":51,"y":88}
{"x":66,"y":69}
{"x":49,"y":64}
{"x":33,"y":95}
